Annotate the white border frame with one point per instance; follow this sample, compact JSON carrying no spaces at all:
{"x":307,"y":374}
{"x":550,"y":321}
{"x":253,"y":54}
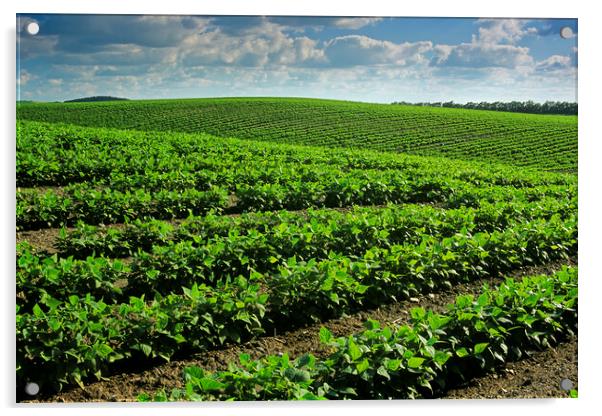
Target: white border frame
{"x":589,"y":191}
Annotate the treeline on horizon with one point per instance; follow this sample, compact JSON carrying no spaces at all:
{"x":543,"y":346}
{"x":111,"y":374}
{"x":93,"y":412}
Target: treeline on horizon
{"x":549,"y":107}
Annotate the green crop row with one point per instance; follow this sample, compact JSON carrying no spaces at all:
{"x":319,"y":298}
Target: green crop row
{"x":80,"y":202}
{"x":325,"y":228}
{"x":51,"y":209}
{"x":67,"y":342}
{"x":421,"y":359}
{"x":286,"y":259}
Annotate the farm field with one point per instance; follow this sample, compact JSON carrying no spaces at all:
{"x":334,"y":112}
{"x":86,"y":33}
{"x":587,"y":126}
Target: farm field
{"x":234,"y":249}
{"x":546,"y":142}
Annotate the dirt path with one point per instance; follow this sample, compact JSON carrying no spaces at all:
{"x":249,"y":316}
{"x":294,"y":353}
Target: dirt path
{"x":127,"y":385}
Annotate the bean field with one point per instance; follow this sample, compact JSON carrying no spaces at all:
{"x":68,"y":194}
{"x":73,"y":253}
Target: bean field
{"x":153,"y":235}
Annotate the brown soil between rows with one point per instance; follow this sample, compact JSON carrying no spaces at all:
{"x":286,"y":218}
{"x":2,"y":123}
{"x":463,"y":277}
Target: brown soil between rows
{"x":535,"y":377}
{"x":128,"y":385}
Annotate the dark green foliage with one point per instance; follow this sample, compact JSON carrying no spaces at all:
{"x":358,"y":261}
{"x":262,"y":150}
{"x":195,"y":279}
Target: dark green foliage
{"x":417,"y":360}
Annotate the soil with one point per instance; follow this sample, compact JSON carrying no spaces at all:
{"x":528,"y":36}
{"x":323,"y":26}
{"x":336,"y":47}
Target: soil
{"x":43,"y":240}
{"x":58,"y":190}
{"x":538,"y":376}
{"x":127,"y":385}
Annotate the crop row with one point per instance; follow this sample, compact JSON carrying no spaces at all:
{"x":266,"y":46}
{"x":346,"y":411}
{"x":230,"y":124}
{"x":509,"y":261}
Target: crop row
{"x":426,"y":257}
{"x":52,"y":208}
{"x":96,"y":206}
{"x":421,"y":359}
{"x":321,"y":228}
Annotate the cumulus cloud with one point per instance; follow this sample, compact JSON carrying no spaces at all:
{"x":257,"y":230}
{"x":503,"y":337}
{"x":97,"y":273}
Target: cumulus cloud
{"x":554,"y":63}
{"x":494,"y":45}
{"x":355,"y":50}
{"x":496,"y":31}
{"x":259,"y":46}
{"x":477,"y":55}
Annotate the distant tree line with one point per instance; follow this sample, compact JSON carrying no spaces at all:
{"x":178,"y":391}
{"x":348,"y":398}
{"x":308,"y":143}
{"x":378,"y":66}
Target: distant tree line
{"x":549,"y":107}
{"x":96,"y":98}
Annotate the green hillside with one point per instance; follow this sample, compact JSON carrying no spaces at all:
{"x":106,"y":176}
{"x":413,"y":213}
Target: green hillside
{"x":539,"y":141}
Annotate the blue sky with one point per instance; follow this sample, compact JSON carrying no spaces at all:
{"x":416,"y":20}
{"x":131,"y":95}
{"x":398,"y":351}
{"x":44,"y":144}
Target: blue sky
{"x":365,"y":59}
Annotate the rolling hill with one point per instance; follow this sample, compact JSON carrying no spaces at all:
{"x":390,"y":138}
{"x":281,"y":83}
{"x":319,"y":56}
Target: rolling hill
{"x":545,"y":142}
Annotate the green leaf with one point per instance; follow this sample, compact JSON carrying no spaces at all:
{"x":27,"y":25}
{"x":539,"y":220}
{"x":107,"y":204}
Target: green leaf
{"x":479,"y":348}
{"x":143,"y":397}
{"x":335,"y":298}
{"x":209,"y":384}
{"x":483,"y":299}
{"x":104,"y":350}
{"x":146,"y":349}
{"x":362,"y":365}
{"x":415,"y":362}
{"x":179,"y":338}
{"x":306,"y":360}
{"x":393,"y":365}
{"x":296,"y":375}
{"x":38,"y":312}
{"x":354,"y":351}
{"x":371,"y":324}
{"x":418,"y":313}
{"x":462,"y":352}
{"x":54,"y":324}
{"x":383,"y":372}
{"x":361,"y":289}
{"x":442,"y":357}
{"x":325,"y":335}
{"x":51,"y":302}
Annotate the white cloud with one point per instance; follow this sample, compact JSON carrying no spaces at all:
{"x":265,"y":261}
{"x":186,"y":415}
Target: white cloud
{"x":493,"y":46}
{"x":554,"y":63}
{"x":479,"y":55}
{"x":495,"y":31}
{"x":259,"y":46}
{"x":355,"y":22}
{"x":354,"y":50}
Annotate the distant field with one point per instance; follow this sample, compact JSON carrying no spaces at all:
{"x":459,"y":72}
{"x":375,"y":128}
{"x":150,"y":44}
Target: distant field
{"x":539,"y":141}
